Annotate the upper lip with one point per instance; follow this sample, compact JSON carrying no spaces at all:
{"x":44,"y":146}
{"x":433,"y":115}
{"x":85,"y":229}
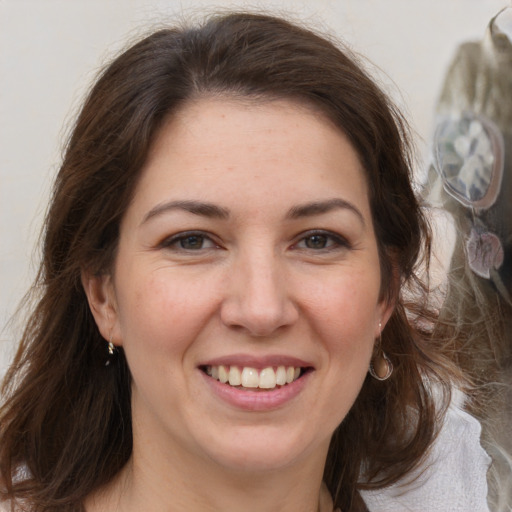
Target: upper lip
{"x":257,"y":362}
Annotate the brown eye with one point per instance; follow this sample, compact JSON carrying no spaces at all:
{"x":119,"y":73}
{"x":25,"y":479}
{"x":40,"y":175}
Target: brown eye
{"x":192,"y":242}
{"x":316,"y":241}
{"x":322,"y":241}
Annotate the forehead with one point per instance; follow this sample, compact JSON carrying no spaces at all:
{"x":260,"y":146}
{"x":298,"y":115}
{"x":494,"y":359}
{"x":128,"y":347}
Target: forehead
{"x":225,"y":148}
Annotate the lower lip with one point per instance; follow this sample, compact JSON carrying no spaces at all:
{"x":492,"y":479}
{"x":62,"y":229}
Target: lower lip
{"x":257,"y":400}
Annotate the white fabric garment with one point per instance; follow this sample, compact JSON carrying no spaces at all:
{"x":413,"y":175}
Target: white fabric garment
{"x":454,"y":477}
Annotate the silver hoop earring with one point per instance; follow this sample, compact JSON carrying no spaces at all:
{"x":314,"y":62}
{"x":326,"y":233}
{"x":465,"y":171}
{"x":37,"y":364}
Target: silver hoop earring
{"x":384,"y":368}
{"x":381,"y":367}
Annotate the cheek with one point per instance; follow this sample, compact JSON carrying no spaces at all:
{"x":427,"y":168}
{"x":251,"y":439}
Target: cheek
{"x":349,"y":302}
{"x":345,"y":313}
{"x":161,"y":311}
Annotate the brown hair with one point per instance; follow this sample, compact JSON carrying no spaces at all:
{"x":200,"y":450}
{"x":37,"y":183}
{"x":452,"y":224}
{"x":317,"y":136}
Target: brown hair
{"x":66,"y":425}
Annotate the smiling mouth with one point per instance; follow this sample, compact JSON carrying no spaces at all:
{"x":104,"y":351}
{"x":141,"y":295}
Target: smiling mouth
{"x":253,"y":379}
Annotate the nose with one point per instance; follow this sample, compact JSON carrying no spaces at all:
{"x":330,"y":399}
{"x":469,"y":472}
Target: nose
{"x":257,"y":298}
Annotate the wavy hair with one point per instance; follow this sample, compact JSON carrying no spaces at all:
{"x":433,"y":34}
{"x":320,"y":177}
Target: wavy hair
{"x":65,"y":425}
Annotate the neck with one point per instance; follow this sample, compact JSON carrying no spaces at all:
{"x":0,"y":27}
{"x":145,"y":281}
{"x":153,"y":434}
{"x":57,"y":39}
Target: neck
{"x":150,"y":482}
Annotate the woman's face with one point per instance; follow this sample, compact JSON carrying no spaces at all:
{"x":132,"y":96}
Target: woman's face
{"x":248,"y":253}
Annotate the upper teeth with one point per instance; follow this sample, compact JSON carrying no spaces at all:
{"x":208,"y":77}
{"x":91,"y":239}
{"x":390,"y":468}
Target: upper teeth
{"x":267,"y":378}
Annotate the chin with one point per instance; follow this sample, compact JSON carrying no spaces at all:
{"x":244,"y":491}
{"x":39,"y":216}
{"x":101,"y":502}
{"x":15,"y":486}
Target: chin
{"x":260,"y":449}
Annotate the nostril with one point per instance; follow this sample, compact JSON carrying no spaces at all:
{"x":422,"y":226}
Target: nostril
{"x":259,"y":319}
{"x":257,"y":297}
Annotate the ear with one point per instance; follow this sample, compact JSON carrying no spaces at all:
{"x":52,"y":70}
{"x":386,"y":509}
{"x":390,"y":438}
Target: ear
{"x":386,"y":308}
{"x":388,"y":301}
{"x":101,"y":297}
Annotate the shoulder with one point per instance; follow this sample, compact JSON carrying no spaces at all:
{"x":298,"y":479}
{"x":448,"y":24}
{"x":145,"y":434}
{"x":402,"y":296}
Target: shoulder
{"x":453,"y":476}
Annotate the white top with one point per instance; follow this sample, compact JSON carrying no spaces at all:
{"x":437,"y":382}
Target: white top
{"x":452,"y":479}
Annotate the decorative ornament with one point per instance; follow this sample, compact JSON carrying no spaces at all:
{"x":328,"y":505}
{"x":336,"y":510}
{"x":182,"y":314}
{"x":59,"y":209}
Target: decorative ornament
{"x":469,"y":157}
{"x":381,"y":368}
{"x":485,"y":252}
{"x":112,"y":352}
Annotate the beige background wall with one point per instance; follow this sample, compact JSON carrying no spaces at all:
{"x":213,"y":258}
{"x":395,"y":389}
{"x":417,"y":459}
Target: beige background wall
{"x":51,"y":49}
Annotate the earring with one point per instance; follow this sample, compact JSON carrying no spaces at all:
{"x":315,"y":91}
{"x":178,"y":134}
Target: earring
{"x":381,"y":367}
{"x":112,"y":351}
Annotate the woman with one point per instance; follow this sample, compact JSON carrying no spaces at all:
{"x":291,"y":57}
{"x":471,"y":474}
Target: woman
{"x":221,"y":323}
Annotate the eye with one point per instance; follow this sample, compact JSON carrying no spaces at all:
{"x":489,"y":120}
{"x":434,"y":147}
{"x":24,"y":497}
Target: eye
{"x":316,"y":241}
{"x":190,"y":241}
{"x":321,"y":240}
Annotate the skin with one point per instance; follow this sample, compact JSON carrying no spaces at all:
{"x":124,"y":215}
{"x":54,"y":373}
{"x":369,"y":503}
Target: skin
{"x":263,"y":277}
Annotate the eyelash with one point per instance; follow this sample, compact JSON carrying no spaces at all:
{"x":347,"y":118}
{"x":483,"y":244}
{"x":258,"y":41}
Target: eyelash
{"x":333,"y":241}
{"x":171,"y":242}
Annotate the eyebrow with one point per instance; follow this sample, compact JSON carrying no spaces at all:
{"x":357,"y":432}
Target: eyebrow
{"x":196,"y":207}
{"x":211,"y":210}
{"x":320,"y":207}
